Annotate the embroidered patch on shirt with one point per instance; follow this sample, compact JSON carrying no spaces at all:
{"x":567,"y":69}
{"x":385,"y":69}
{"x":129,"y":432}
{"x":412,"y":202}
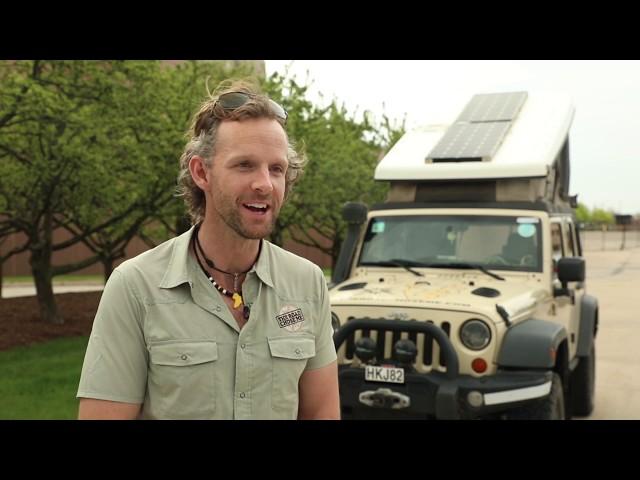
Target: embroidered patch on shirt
{"x":290,"y":318}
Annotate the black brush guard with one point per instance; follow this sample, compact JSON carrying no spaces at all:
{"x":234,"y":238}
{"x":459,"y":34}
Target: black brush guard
{"x":421,"y":396}
{"x":433,"y":395}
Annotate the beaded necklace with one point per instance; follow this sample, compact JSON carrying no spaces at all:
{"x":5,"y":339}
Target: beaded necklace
{"x":236,"y":296}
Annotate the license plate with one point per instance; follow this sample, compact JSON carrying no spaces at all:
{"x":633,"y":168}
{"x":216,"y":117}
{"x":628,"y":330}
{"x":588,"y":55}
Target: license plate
{"x":384,"y":374}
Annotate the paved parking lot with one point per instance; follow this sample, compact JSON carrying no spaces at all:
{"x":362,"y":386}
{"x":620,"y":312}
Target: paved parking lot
{"x":613,"y":277}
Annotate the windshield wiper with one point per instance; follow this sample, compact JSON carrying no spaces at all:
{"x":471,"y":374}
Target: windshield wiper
{"x":396,"y":262}
{"x":464,"y":265}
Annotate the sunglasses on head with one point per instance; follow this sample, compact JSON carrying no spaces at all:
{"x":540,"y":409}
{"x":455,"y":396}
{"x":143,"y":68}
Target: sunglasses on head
{"x":233,"y":100}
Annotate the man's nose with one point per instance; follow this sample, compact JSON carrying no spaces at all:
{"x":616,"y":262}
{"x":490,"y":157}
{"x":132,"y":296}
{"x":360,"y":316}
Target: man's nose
{"x":262,"y":181}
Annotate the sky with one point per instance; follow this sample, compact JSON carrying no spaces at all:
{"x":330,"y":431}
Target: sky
{"x":604,"y":137}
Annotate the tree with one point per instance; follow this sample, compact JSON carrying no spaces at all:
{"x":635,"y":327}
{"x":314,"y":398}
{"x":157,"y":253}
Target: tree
{"x":62,"y":151}
{"x":597,"y":216}
{"x":582,"y":213}
{"x":602,"y":217}
{"x":49,"y":109}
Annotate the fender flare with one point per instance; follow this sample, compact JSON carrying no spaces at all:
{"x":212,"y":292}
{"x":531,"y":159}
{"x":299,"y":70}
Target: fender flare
{"x":532,"y":343}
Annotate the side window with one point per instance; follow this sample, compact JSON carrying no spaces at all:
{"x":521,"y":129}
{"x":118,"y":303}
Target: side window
{"x":573,"y":250}
{"x":557,"y":245}
{"x":576,"y":229}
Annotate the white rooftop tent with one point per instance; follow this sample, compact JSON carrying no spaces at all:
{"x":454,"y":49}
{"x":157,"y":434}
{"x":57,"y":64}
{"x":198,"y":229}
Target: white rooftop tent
{"x":499,"y":136}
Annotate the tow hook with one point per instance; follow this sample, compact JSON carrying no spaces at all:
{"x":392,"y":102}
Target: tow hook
{"x":384,"y":398}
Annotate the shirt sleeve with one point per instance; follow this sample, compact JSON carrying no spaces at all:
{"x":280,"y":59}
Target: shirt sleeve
{"x":325,"y":348}
{"x":115,"y":363}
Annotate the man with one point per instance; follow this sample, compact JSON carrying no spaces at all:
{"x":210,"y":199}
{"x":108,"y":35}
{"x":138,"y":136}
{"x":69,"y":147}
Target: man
{"x":218,"y":323}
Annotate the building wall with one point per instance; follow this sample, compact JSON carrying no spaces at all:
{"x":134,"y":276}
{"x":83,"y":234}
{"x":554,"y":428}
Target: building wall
{"x":19,"y":264}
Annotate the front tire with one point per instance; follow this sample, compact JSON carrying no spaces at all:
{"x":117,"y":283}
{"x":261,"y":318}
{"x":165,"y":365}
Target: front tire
{"x":583,"y":384}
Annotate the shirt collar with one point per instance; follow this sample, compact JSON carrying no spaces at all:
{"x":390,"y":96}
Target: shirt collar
{"x":179,"y":270}
{"x":261,"y":267}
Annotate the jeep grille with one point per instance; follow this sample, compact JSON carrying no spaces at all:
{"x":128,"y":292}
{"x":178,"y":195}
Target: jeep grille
{"x":429,"y":355}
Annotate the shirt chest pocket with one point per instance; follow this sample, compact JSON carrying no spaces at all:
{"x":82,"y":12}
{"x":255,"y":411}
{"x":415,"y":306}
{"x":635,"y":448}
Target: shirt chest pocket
{"x":183,"y":379}
{"x":289,"y":356}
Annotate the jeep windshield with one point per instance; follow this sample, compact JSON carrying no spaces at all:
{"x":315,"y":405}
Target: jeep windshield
{"x":454,"y":241}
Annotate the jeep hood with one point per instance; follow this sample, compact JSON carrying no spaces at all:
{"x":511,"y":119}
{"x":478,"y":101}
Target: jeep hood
{"x":463,"y":292}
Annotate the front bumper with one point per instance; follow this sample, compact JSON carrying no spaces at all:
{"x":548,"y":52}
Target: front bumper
{"x":437,"y":395}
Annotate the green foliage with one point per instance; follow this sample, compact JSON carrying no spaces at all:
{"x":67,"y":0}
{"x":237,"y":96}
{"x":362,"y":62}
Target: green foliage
{"x":41,"y":381}
{"x":134,"y":167}
{"x":602,"y":217}
{"x":582,"y":213}
{"x":62,"y":139}
{"x":597,"y":216}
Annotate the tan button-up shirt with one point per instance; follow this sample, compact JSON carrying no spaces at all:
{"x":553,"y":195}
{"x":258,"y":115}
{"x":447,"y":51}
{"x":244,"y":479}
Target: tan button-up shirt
{"x":164,"y":337}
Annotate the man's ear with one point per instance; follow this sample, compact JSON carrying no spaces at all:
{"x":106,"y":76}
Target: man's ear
{"x":199,"y":172}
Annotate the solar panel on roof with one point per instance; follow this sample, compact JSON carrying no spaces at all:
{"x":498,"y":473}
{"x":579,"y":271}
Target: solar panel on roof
{"x":493,"y":107}
{"x":469,"y":142}
{"x":479,"y":129}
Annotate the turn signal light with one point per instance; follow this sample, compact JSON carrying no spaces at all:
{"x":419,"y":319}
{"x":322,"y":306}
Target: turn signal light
{"x":479,"y":365}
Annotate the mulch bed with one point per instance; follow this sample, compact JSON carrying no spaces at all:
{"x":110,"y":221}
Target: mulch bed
{"x":20,"y":322}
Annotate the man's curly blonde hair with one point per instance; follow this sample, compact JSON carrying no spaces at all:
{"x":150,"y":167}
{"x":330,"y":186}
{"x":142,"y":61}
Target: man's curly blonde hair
{"x":202,"y":141}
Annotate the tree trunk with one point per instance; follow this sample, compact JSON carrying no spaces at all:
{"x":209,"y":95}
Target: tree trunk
{"x":43,"y":273}
{"x":42,"y":276}
{"x":107,"y":263}
{"x":1,"y":277}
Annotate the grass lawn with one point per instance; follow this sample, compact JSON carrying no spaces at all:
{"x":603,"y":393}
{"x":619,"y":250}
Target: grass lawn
{"x":41,"y":381}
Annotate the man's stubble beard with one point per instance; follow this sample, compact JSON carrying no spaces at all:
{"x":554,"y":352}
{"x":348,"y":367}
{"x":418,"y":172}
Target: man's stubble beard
{"x":231,"y":217}
{"x":234,"y":222}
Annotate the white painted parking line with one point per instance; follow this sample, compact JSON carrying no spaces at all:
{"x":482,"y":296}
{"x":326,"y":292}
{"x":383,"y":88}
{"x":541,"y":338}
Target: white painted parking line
{"x":12,"y":291}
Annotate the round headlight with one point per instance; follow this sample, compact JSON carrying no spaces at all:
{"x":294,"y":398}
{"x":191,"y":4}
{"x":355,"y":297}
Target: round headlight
{"x":335,"y":322}
{"x":475,"y":334}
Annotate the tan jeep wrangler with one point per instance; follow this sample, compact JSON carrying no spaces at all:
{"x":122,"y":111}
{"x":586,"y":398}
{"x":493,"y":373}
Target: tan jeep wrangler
{"x":463,"y":295}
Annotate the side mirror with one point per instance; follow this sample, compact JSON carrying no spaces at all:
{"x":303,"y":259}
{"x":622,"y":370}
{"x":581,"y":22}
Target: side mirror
{"x":571,"y":269}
